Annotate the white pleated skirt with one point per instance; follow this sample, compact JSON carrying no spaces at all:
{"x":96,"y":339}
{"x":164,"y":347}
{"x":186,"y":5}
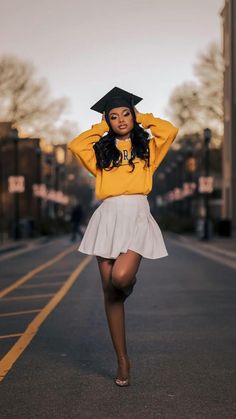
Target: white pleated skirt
{"x":120,"y":223}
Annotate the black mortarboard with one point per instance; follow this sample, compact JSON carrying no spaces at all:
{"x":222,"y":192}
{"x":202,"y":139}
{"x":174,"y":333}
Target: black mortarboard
{"x":114,"y":98}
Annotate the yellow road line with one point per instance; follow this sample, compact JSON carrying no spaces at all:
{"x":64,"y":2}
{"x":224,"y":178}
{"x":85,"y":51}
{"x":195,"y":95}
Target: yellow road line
{"x":39,"y":268}
{"x":13,"y":335}
{"x":28,"y":297}
{"x":42,"y":285}
{"x":16,"y":313}
{"x":10,"y":358}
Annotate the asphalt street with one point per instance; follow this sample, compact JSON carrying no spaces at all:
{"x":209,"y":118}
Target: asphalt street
{"x":56,"y":355}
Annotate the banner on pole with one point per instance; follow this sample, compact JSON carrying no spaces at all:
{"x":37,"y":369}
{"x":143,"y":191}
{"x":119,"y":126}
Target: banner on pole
{"x":16,"y":184}
{"x":205,"y":184}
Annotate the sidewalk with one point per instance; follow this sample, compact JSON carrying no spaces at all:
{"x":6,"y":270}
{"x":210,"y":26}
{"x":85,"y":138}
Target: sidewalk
{"x":223,"y":243}
{"x":222,"y":249}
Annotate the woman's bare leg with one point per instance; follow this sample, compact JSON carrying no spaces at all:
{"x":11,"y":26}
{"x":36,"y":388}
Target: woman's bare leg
{"x":124,"y":270}
{"x":124,"y":278}
{"x":116,"y":276}
{"x":114,"y":306}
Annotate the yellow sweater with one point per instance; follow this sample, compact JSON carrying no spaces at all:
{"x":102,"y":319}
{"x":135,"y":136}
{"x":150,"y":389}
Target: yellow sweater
{"x":119,"y":181}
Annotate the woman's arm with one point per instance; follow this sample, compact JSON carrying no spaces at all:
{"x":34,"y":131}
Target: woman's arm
{"x":163,"y":133}
{"x":82,"y":145}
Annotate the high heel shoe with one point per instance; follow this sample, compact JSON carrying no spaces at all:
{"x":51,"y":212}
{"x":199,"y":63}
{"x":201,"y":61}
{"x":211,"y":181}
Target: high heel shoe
{"x":126,"y":381}
{"x":122,"y":383}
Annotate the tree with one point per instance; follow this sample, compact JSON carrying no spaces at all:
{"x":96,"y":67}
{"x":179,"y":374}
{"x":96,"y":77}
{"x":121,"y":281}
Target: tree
{"x":197,"y":105}
{"x":26,"y":102}
{"x":209,"y":70}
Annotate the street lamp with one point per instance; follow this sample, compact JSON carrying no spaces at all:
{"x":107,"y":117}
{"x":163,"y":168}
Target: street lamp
{"x":207,"y":221}
{"x":180,"y":161}
{"x":14,"y":136}
{"x":38,"y":153}
{"x":1,"y":192}
{"x":59,"y":168}
{"x":207,"y":139}
{"x":189,"y":174}
{"x":168,"y":182}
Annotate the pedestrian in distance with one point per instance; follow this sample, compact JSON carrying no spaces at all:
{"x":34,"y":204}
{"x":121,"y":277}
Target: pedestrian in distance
{"x":123,"y":156}
{"x":76,"y":218}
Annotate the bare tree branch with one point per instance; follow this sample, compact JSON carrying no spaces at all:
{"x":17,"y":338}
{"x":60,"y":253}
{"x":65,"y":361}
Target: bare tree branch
{"x":195,"y":106}
{"x":25,"y":100}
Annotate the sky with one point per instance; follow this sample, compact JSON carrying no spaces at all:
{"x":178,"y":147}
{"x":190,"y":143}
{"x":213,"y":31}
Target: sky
{"x":86,"y":47}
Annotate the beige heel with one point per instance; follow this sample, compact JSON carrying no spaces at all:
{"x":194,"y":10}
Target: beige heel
{"x":122,"y":383}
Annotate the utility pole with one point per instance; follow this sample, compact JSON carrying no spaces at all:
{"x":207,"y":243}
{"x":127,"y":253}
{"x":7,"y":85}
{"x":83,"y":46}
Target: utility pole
{"x":16,"y":194}
{"x":207,"y":221}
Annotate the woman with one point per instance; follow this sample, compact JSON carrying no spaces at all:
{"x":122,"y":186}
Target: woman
{"x":122,"y":229}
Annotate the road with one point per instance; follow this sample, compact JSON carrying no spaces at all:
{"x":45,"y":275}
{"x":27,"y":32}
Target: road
{"x":56,"y":355}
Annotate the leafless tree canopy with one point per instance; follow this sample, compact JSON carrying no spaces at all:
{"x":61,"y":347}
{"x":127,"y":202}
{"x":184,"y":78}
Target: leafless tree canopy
{"x":194,"y":106}
{"x":26,"y":102}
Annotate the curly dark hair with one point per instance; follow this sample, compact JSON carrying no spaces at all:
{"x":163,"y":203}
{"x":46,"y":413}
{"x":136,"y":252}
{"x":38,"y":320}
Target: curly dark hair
{"x":107,"y":153}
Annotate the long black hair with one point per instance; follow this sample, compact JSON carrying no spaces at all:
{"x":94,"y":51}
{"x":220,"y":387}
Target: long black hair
{"x":107,"y":153}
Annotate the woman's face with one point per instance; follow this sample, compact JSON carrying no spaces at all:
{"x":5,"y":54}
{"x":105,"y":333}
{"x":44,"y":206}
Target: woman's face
{"x":121,"y":121}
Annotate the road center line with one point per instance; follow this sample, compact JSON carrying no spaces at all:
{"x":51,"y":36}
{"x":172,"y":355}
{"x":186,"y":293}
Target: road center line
{"x":10,"y":358}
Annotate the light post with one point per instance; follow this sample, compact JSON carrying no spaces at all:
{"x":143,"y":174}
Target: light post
{"x":38,"y":153}
{"x":174,"y":179}
{"x":207,"y":222}
{"x":167,"y":172}
{"x":1,"y":192}
{"x":180,"y":160}
{"x":15,"y":138}
{"x":159,"y":201}
{"x":60,"y":161}
{"x":189,"y":157}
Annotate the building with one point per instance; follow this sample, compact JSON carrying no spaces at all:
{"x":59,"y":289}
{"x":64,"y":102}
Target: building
{"x":228,"y":15}
{"x":33,"y":196}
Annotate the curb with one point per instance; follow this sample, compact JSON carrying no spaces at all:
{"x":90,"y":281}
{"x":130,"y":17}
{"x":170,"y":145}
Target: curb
{"x":205,"y":245}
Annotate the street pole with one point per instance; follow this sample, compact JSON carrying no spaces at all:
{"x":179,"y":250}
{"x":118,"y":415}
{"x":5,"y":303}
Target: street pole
{"x":174,"y":184}
{"x":16,"y":194}
{"x":189,"y":155}
{"x":39,"y":181}
{"x":180,"y":160}
{"x":56,"y":186}
{"x":207,"y":223}
{"x":1,"y":193}
{"x":168,"y":186}
{"x":59,"y":177}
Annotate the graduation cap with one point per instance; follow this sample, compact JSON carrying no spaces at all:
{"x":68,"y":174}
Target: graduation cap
{"x":114,"y":98}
